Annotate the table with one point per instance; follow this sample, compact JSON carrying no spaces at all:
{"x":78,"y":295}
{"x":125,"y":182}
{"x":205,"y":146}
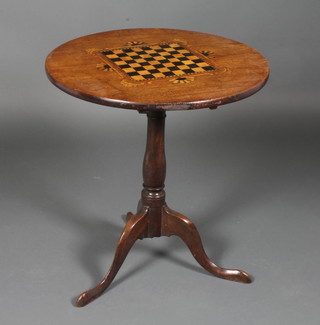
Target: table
{"x":154,"y":71}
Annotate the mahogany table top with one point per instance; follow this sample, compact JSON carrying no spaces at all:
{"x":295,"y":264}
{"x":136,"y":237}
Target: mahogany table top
{"x":157,"y":69}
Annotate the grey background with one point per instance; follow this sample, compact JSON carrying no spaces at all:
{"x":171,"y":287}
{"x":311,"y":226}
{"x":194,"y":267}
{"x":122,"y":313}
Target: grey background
{"x":247,"y":174}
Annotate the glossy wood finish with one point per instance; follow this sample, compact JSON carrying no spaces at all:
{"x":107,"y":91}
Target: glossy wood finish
{"x":152,"y":71}
{"x":79,"y":68}
{"x":174,"y":223}
{"x":134,"y":228}
{"x":154,"y":172}
{"x":155,"y":219}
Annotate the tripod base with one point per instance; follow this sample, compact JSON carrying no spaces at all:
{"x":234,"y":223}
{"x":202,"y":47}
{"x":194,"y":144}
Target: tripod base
{"x":172,"y":223}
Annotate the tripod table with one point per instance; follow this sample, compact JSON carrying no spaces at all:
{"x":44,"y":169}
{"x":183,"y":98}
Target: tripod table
{"x":154,"y":71}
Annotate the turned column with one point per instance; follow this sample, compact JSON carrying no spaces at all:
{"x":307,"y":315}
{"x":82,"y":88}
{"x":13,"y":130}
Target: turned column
{"x":154,"y":172}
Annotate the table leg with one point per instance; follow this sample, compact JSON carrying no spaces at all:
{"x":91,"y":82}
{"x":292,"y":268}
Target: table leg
{"x":174,"y":223}
{"x":132,"y":231}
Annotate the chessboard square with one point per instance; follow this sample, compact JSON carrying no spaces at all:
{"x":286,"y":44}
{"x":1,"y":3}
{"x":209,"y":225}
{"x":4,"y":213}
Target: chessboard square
{"x":169,"y":65}
{"x":135,"y":65}
{"x":174,"y":68}
{"x":119,"y":62}
{"x":140,"y":51}
{"x":163,"y":70}
{"x":188,"y":71}
{"x":168,"y":73}
{"x":182,"y":58}
{"x":133,"y":73}
{"x":153,"y":62}
{"x":198,"y":69}
{"x":208,"y":68}
{"x":144,"y":63}
{"x":159,"y":57}
{"x":128,"y":50}
{"x":154,"y":71}
{"x":115,"y":59}
{"x":125,"y":58}
{"x":184,"y":67}
{"x":129,"y":70}
{"x":174,"y":59}
{"x":193,"y":65}
{"x":177,"y":46}
{"x":179,"y":73}
{"x":144,"y":72}
{"x":167,"y":54}
{"x":112,"y":56}
{"x":178,"y":63}
{"x":121,"y":55}
{"x":107,"y":52}
{"x":138,"y":78}
{"x":130,"y":61}
{"x":139,"y":68}
{"x":202,"y":64}
{"x":158,"y":66}
{"x":192,"y":57}
{"x":179,"y":55}
{"x":187,"y":62}
{"x":164,"y":61}
{"x":135,"y":57}
{"x":124,"y":65}
{"x":159,"y":75}
{"x":149,"y":59}
{"x":149,"y":76}
{"x":148,"y":67}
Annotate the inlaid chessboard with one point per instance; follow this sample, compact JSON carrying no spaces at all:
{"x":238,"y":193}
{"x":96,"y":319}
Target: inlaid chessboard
{"x":157,"y":69}
{"x":157,"y":61}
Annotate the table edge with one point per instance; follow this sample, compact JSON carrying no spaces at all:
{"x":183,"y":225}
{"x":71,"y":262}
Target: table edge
{"x":210,"y":103}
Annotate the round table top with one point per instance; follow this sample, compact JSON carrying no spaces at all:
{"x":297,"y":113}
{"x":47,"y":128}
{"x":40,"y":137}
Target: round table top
{"x":157,"y":69}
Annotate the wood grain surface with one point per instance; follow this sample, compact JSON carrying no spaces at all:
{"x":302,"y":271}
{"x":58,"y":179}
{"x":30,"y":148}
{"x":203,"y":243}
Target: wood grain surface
{"x":157,"y":69}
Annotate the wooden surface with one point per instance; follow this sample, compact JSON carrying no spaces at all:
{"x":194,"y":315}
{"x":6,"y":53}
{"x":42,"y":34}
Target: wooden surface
{"x":157,"y":69}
